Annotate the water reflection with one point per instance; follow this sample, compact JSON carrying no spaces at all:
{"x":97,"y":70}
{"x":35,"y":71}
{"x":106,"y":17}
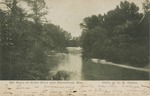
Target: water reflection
{"x":97,"y":71}
{"x":72,"y":63}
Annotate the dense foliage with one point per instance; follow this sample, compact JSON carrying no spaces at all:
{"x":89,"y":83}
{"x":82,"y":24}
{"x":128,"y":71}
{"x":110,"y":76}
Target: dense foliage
{"x":120,"y":36}
{"x":74,"y":42}
{"x":25,"y":38}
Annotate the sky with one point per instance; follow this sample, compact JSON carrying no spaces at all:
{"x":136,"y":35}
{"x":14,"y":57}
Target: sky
{"x":68,"y":14}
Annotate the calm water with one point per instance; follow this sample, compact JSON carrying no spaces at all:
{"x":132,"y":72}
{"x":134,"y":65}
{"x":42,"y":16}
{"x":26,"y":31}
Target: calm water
{"x":81,"y":69}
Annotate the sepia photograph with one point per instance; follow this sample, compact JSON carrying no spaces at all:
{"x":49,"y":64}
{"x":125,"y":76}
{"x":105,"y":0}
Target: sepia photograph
{"x":74,"y":40}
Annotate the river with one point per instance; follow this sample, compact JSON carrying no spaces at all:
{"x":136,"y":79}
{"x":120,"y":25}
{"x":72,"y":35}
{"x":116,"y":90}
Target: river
{"x":84,"y":69}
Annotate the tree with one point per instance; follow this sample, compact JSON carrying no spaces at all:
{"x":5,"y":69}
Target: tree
{"x":117,"y":36}
{"x":25,"y":39}
{"x":16,"y":49}
{"x":146,"y":6}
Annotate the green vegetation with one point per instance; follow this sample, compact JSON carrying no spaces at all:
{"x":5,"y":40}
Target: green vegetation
{"x":25,"y":39}
{"x":120,"y":36}
{"x":74,"y":42}
{"x":59,"y":75}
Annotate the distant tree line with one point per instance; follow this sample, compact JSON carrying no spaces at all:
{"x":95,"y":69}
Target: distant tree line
{"x":120,"y":36}
{"x":74,"y":42}
{"x":25,"y":36}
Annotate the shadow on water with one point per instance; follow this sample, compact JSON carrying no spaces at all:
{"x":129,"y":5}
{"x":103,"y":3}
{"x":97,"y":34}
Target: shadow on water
{"x":94,"y":71}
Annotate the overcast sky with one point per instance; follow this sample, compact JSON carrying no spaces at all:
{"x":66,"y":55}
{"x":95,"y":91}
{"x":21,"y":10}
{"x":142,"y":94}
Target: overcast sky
{"x":68,"y":14}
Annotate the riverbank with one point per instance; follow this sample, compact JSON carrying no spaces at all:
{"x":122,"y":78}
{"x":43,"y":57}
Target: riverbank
{"x":99,"y":61}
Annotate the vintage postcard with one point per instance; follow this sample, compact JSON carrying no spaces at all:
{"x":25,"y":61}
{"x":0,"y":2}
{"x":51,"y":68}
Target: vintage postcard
{"x":74,"y":47}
